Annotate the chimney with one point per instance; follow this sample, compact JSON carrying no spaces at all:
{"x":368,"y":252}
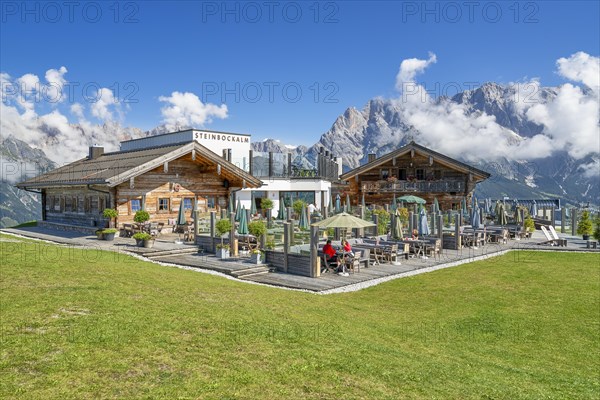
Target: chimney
{"x":371,"y":157}
{"x":95,"y":152}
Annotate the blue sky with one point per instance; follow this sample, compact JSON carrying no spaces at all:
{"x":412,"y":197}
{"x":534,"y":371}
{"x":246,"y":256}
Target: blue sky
{"x":338,"y":54}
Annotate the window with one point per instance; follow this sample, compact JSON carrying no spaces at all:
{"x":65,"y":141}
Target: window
{"x":401,"y":174}
{"x":163,"y":205}
{"x":136,"y":205}
{"x":187,"y":203}
{"x":385,"y":173}
{"x":420,"y":174}
{"x":211,"y":202}
{"x":56,"y":203}
{"x":94,"y":204}
{"x":68,"y":203}
{"x":80,"y":204}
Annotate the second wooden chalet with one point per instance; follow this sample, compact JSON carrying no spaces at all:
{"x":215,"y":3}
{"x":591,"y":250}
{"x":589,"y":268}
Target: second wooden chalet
{"x":413,"y":170}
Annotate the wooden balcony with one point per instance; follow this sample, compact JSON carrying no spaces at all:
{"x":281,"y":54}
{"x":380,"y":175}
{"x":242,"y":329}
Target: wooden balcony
{"x":443,"y":186}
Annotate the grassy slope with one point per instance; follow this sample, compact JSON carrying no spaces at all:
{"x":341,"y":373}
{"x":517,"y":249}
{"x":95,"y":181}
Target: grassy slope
{"x":92,"y":324}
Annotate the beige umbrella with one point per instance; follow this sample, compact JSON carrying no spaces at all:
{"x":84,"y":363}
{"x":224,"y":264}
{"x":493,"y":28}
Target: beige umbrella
{"x":343,"y":220}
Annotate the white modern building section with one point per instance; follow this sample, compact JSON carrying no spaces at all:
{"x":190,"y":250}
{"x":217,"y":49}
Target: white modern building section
{"x":283,"y":180}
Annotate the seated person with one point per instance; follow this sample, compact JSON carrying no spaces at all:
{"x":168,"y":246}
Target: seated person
{"x":331,"y":255}
{"x":347,"y":248}
{"x":415,"y":234}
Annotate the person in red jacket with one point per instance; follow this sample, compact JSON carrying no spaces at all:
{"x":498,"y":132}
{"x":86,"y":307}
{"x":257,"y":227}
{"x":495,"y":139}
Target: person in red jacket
{"x":331,"y":254}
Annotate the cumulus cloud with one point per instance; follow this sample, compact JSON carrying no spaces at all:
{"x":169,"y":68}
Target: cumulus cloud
{"x":104,"y":100}
{"x":410,"y":67}
{"x":581,"y":67}
{"x":591,"y":169}
{"x":56,"y":83}
{"x":186,"y":109}
{"x":570,"y":120}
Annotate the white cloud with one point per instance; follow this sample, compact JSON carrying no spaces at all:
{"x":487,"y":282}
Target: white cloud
{"x":570,"y":121}
{"x":103,"y":101}
{"x":409,"y":68}
{"x":591,"y":169}
{"x":56,"y":83}
{"x":186,"y":109}
{"x":581,"y":67}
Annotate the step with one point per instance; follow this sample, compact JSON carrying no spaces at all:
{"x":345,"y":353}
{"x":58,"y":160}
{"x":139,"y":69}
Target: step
{"x":255,"y":274}
{"x":173,"y":252}
{"x":250,"y":271}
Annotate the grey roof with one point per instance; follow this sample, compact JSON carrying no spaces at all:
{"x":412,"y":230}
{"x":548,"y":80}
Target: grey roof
{"x":114,"y":168}
{"x":420,"y":149}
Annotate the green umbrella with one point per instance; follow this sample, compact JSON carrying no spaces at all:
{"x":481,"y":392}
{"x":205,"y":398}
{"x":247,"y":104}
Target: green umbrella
{"x":394,"y":205}
{"x":501,"y":216}
{"x":397,"y":227}
{"x":238,"y":210}
{"x":411,"y":199}
{"x":181,"y":215}
{"x":281,"y":212}
{"x":303,"y":222}
{"x":338,"y":205}
{"x":243,"y":226}
{"x":252,"y":204}
{"x":436,"y":205}
{"x":348,"y":206}
{"x":231,"y":209}
{"x":517,"y":216}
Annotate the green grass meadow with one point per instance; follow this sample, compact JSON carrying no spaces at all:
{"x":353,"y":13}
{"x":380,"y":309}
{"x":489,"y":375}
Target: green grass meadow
{"x":86,"y":324}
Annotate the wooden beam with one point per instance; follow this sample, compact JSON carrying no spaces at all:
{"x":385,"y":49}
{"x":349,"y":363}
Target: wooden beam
{"x":166,"y":166}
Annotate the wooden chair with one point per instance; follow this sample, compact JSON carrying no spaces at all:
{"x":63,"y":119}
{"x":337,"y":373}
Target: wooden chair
{"x":561,"y":242}
{"x":188,"y":235}
{"x":391,"y":253}
{"x":353,"y":263}
{"x":127,"y":230}
{"x":327,"y":266}
{"x":159,"y":227}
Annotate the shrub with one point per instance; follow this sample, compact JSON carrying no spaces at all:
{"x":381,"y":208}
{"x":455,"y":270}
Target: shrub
{"x":297,"y":206}
{"x":585,"y":224}
{"x":110,"y":213}
{"x":222,"y":227}
{"x":257,"y":228}
{"x":382,"y":221}
{"x":141,"y":216}
{"x":403,"y":215}
{"x":142,"y":236}
{"x":529,"y":224}
{"x":597,"y":230}
{"x":223,"y":246}
{"x":266,"y":203}
{"x":110,"y":230}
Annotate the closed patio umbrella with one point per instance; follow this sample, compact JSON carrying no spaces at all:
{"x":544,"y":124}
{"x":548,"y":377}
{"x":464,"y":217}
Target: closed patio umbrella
{"x":394,"y":205}
{"x":436,"y":205}
{"x":253,"y":205}
{"x":475,"y":219}
{"x":281,"y":212}
{"x":338,"y":205}
{"x":362,"y":202}
{"x":533,"y":210}
{"x":423,"y":223}
{"x":517,"y":216}
{"x":501,"y":216}
{"x":397,"y":227}
{"x":231,"y":209}
{"x":238,"y":211}
{"x":243,"y":226}
{"x":348,"y":204}
{"x":330,"y":205}
{"x":180,"y":218}
{"x":303,"y":222}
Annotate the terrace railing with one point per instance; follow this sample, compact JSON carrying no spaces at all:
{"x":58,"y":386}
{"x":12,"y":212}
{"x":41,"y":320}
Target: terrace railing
{"x":445,"y":186}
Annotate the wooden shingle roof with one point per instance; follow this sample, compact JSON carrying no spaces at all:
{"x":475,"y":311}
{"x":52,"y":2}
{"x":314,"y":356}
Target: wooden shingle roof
{"x":114,"y":168}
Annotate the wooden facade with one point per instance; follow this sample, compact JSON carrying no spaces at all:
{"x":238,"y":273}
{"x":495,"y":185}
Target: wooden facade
{"x":156,"y":180}
{"x":412,"y":170}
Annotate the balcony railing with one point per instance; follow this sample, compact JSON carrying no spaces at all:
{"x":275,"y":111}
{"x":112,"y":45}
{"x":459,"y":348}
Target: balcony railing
{"x":417,"y":186}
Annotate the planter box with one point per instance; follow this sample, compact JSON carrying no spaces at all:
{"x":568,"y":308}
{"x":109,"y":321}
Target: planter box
{"x":222,"y":253}
{"x":139,"y":242}
{"x":148,"y":243}
{"x":109,"y":236}
{"x":256,"y":258}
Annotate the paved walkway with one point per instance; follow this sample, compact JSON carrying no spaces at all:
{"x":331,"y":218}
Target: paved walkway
{"x":186,"y":255}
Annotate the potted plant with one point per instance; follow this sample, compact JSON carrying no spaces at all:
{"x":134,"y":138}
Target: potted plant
{"x":256,"y":256}
{"x":223,"y":227}
{"x":110,"y":214}
{"x":109,"y":234}
{"x":584,"y":228}
{"x":223,"y":251}
{"x":141,"y":216}
{"x":99,"y":234}
{"x":257,"y":228}
{"x":143,"y":239}
{"x":529,"y":225}
{"x":267,"y":205}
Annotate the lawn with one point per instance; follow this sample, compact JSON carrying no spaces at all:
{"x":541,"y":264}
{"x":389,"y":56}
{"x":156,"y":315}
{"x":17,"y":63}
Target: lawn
{"x":85,"y":324}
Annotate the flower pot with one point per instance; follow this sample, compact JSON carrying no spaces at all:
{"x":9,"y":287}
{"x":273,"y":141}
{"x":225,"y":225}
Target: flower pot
{"x":100,"y":235}
{"x":256,"y":258}
{"x":586,"y":237}
{"x":109,"y":237}
{"x":222,"y":253}
{"x":148,"y":243}
{"x":139,"y":242}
